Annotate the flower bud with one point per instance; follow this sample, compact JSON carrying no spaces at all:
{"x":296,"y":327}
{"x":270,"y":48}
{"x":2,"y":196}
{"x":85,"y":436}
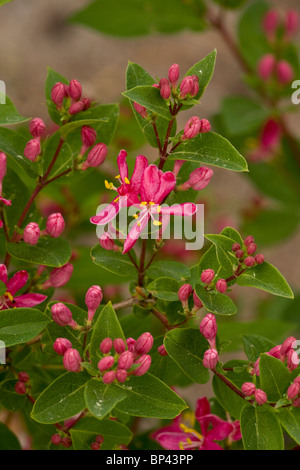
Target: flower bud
{"x":23,"y":377}
{"x":162,"y":350}
{"x":20,"y":388}
{"x":55,"y":225}
{"x":106,"y":345}
{"x":192,"y":128}
{"x":248,"y":240}
{"x":221,"y":286}
{"x":266,"y":67}
{"x":144,"y":343}
{"x":61,"y":314}
{"x":285,"y":72}
{"x":125,"y":360}
{"x":36,"y":127}
{"x":31,"y":233}
{"x":260,"y":397}
{"x":251,"y":249}
{"x":177,"y":166}
{"x":119,"y":345}
{"x":106,"y":363}
{"x":275,"y":352}
{"x":121,"y":375}
{"x":259,"y":259}
{"x":72,"y":360}
{"x":249,"y":261}
{"x":88,"y":137}
{"x":197,"y":302}
{"x":270,"y":23}
{"x":235,"y":247}
{"x":205,"y":126}
{"x":293,"y":391}
{"x":198,"y":179}
{"x":286,"y":346}
{"x":140,"y":109}
{"x":292,"y":360}
{"x":130,"y":344}
{"x":297,"y":380}
{"x":291,"y":22}
{"x":109,"y":377}
{"x":56,"y":439}
{"x":93,"y":299}
{"x":184,"y":293}
{"x":58,"y":94}
{"x":207,"y":276}
{"x":210,"y":358}
{"x":32,"y":149}
{"x":107,"y":242}
{"x":86,"y":103}
{"x":208,"y":328}
{"x":75,"y":90}
{"x":76,"y":108}
{"x":60,"y":276}
{"x":3,"y":168}
{"x":145,"y":363}
{"x":96,"y":156}
{"x":256,"y":370}
{"x":248,"y":389}
{"x":186,"y":86}
{"x":296,"y":403}
{"x":61,"y":345}
{"x":165,"y":89}
{"x":239,"y":254}
{"x":195,"y":88}
{"x":173,"y":74}
{"x":66,"y":442}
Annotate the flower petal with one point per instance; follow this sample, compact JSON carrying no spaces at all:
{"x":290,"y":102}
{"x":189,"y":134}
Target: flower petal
{"x":136,"y":231}
{"x":185,"y":209}
{"x":107,"y":214}
{"x":7,"y":202}
{"x":29,"y":300}
{"x":17,"y":282}
{"x":122,"y":165}
{"x":167,"y":184}
{"x":141,"y":164}
{"x":150,"y":183}
{"x":173,"y":440}
{"x":3,"y":273}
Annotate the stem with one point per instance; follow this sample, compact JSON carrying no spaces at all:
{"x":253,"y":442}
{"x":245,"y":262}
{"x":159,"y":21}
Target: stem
{"x":124,"y":304}
{"x":142,"y":263}
{"x":228,"y":383}
{"x":132,"y":260}
{"x":60,"y":144}
{"x":162,"y":319}
{"x":157,"y":137}
{"x":164,"y":154}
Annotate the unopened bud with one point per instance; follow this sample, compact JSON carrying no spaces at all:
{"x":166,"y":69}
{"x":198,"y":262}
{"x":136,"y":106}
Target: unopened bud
{"x":86,"y":103}
{"x":31,"y":233}
{"x":251,"y":249}
{"x":248,"y":389}
{"x":72,"y":360}
{"x":292,"y":360}
{"x":20,"y":388}
{"x":260,"y":397}
{"x":145,"y":363}
{"x":186,"y":86}
{"x":32,"y":149}
{"x":210,"y":358}
{"x":208,"y":328}
{"x":144,"y":343}
{"x":60,"y":276}
{"x":165,"y":89}
{"x":296,"y":403}
{"x":130,"y":344}
{"x":66,"y":442}
{"x":121,"y":375}
{"x":162,"y":350}
{"x":88,"y":137}
{"x":184,"y":293}
{"x":286,"y":346}
{"x":36,"y":127}
{"x":107,"y":242}
{"x":23,"y":377}
{"x":58,"y":94}
{"x":62,"y":315}
{"x":173,"y":74}
{"x":197,"y":302}
{"x":106,"y":345}
{"x":125,"y":360}
{"x":192,"y":128}
{"x":76,"y":108}
{"x":275,"y":352}
{"x":96,"y":156}
{"x":291,"y":22}
{"x":119,"y":345}
{"x":259,"y":259}
{"x":93,"y":299}
{"x":3,"y":168}
{"x":270,"y":23}
{"x":221,"y":286}
{"x":61,"y":345}
{"x":249,"y":261}
{"x":248,"y":240}
{"x":198,"y":179}
{"x":239,"y":254}
{"x":266,"y":67}
{"x":205,"y":126}
{"x":55,"y":225}
{"x":109,"y":377}
{"x":140,"y":109}
{"x":235,"y":247}
{"x":56,"y":439}
{"x":285,"y":72}
{"x":106,"y":363}
{"x":195,"y":88}
{"x":207,"y":276}
{"x":293,"y":391}
{"x":75,"y":90}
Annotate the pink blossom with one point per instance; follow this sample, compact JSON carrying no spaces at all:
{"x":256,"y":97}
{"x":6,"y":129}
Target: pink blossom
{"x":75,"y":90}
{"x":13,"y":285}
{"x":268,"y":142}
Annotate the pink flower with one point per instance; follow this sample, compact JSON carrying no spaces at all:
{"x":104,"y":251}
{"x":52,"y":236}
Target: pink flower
{"x":268,"y":142}
{"x":13,"y":285}
{"x":179,"y":436}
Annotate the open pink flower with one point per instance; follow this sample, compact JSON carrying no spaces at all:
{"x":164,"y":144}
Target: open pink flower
{"x":127,"y":192}
{"x":13,"y":285}
{"x":179,"y":436}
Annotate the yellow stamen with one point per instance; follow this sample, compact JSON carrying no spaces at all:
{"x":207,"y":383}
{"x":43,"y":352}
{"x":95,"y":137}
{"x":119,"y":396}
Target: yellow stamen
{"x":8,"y":294}
{"x":144,"y":203}
{"x":116,"y":200}
{"x":181,"y":446}
{"x":158,"y":208}
{"x":127,"y":180}
{"x":156,"y":222}
{"x":108,"y":185}
{"x":118,"y":176}
{"x":190,"y":431}
{"x":151,"y":203}
{"x":135,"y":216}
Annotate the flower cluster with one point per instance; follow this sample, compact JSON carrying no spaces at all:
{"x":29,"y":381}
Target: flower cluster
{"x":246,"y":253}
{"x":21,"y":385}
{"x":55,"y":226}
{"x":285,"y":352}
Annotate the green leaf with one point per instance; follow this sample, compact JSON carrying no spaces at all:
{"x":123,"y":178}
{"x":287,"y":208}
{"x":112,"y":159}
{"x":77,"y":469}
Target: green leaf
{"x":233,"y":234}
{"x":9,"y":398}
{"x":102,"y":398}
{"x":149,"y":397}
{"x":19,"y":325}
{"x":224,"y":253}
{"x":149,"y":97}
{"x":242,"y":115}
{"x":227,"y":398}
{"x":86,"y":430}
{"x":274,"y":377}
{"x":8,"y":113}
{"x":2,"y":2}
{"x":13,"y":145}
{"x":187,"y":347}
{"x":261,"y":429}
{"x":62,"y":399}
{"x":8,"y":440}
{"x":215,"y":302}
{"x":204,"y":70}
{"x":113,"y":261}
{"x":178,"y":271}
{"x":266,"y":277}
{"x":212,"y":149}
{"x":164,"y":288}
{"x":290,"y":420}
{"x":48,"y":251}
{"x":106,"y":326}
{"x":254,"y":345}
{"x":15,"y":190}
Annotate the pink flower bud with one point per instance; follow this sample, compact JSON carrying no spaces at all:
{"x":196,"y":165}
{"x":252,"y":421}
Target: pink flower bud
{"x":109,"y":377}
{"x":173,"y":74}
{"x":210,"y":358}
{"x":106,"y":363}
{"x":119,"y":345}
{"x":248,"y":389}
{"x":235,"y":247}
{"x":72,"y":360}
{"x":195,"y":88}
{"x":297,"y":380}
{"x":186,"y":86}
{"x":251,"y":249}
{"x":249,"y":261}
{"x":86,"y":103}
{"x":162,"y":350}
{"x":93,"y":299}
{"x":56,"y":439}
{"x":31,"y":233}
{"x":248,"y":240}
{"x":221,"y":286}
{"x":76,"y":108}
{"x":61,"y":314}
{"x":20,"y":388}
{"x":197,"y":302}
{"x":23,"y":377}
{"x":208,"y":328}
{"x":259,"y":259}
{"x":60,"y":276}
{"x":286,"y":346}
{"x":125,"y":360}
{"x":106,"y":345}
{"x":32,"y":149}
{"x":3,"y":168}
{"x":260,"y":397}
{"x":184,"y":293}
{"x":75,"y":90}
{"x":291,"y":22}
{"x":292,"y":360}
{"x":198,"y":179}
{"x":88,"y":136}
{"x":177,"y":165}
{"x":58,"y":94}
{"x":107,"y":242}
{"x":205,"y":126}
{"x":66,"y":441}
{"x":61,"y":345}
{"x":275,"y":352}
{"x":36,"y":127}
{"x":130,"y":344}
{"x":192,"y":128}
{"x":256,"y":370}
{"x":266,"y":67}
{"x":55,"y":225}
{"x":270,"y":22}
{"x":140,"y":109}
{"x":96,"y":156}
{"x":144,"y":343}
{"x":121,"y":375}
{"x":207,"y":276}
{"x":145,"y":363}
{"x":165,"y":89}
{"x":285,"y":73}
{"x":296,"y":403}
{"x":239,"y":254}
{"x":293,"y":391}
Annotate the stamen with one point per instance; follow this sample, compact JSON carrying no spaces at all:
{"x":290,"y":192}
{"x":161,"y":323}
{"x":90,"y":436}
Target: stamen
{"x":8,"y":294}
{"x":127,"y":180}
{"x":118,"y":176}
{"x":156,"y":222}
{"x":144,"y":203}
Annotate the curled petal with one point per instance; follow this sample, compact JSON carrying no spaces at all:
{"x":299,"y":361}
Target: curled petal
{"x":17,"y":282}
{"x":7,"y":202}
{"x":122,"y":165}
{"x":3,"y":273}
{"x":29,"y":300}
{"x":167,"y":184}
{"x":107,"y":214}
{"x":136,"y":231}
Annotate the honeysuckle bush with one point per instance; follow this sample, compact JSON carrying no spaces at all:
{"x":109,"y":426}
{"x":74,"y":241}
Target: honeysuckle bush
{"x":83,"y":370}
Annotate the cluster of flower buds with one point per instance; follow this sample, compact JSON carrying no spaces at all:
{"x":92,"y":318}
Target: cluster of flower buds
{"x":107,"y":242}
{"x":20,"y":386}
{"x":246,"y":252}
{"x":59,"y":276}
{"x":184,"y":293}
{"x":249,"y":390}
{"x":69,"y":97}
{"x":293,"y":392}
{"x":208,"y":329}
{"x":195,"y":126}
{"x":208,"y":276}
{"x":33,"y":147}
{"x":96,"y":445}
{"x":124,"y":358}
{"x":62,"y":346}
{"x":55,"y":225}
{"x":3,"y":169}
{"x":272,"y":22}
{"x":57,"y":440}
{"x":269,"y":67}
